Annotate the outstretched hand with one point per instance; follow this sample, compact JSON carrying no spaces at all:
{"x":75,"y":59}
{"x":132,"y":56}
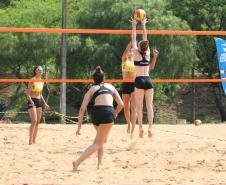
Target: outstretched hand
{"x":133,"y":22}
{"x":144,"y":21}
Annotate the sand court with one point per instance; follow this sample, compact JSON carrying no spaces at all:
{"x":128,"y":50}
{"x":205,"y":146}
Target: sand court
{"x":176,"y":154}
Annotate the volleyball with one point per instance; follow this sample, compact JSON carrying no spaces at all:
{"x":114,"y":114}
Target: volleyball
{"x":139,"y":14}
{"x":197,"y":122}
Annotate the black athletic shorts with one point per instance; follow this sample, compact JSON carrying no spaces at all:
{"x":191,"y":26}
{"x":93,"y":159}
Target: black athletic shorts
{"x":37,"y":102}
{"x":143,"y":82}
{"x":128,"y":88}
{"x":102,"y":114}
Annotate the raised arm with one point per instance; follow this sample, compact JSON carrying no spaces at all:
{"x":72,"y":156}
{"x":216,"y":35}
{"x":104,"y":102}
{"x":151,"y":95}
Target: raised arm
{"x":134,"y":33}
{"x":143,"y":23}
{"x":125,"y":53}
{"x":82,"y":109}
{"x":153,"y":62}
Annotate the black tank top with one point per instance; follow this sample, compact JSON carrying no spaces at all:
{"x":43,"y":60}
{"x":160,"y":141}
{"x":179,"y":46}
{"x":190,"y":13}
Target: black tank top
{"x":101,"y":90}
{"x":142,"y":62}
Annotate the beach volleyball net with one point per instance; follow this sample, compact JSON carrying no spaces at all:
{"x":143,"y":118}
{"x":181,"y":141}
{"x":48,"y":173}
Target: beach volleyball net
{"x":181,"y":85}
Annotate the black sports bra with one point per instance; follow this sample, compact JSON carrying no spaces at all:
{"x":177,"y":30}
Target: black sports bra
{"x":142,"y":62}
{"x":101,"y":90}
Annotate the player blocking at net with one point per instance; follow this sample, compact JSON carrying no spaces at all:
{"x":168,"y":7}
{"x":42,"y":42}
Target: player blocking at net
{"x":143,"y":65}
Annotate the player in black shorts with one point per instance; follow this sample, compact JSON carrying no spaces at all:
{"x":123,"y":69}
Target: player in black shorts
{"x":102,"y":114}
{"x":143,"y":85}
{"x":35,"y":103}
{"x":128,"y":95}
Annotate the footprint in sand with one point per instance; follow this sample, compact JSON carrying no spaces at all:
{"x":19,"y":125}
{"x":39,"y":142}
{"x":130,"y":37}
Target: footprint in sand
{"x":132,"y":145}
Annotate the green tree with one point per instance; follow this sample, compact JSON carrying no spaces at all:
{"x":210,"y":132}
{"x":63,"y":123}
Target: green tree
{"x":21,"y":51}
{"x":177,"y":53}
{"x":5,"y":3}
{"x":207,"y":16}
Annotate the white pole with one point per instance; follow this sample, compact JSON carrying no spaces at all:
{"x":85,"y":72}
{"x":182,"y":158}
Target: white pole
{"x":63,"y":61}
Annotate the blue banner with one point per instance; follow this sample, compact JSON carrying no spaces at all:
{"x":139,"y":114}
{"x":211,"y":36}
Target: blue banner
{"x":221,"y":55}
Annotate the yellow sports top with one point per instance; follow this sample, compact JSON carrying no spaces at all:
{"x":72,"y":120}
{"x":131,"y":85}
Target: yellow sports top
{"x":37,"y":86}
{"x":128,"y":66}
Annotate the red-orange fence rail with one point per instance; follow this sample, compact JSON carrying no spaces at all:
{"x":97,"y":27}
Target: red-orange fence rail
{"x":115,"y":80}
{"x":105,"y":31}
